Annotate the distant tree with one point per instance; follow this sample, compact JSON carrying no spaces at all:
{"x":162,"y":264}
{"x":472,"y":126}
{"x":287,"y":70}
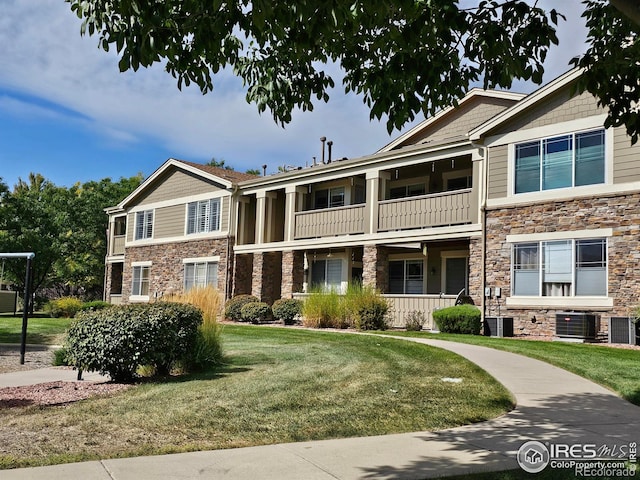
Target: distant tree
{"x":254,"y":171}
{"x":214,"y":162}
{"x":64,"y":227}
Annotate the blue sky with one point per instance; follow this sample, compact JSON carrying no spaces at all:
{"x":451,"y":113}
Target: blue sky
{"x":68,"y":113}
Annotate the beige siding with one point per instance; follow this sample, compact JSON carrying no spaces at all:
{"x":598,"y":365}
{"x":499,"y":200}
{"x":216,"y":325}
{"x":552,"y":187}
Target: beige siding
{"x":225,"y":203}
{"x":461,"y":120}
{"x":169,"y":221}
{"x":626,"y":164}
{"x":560,"y":107}
{"x":131,"y":226}
{"x":176,"y":184}
{"x":329,"y":222}
{"x":440,"y":209}
{"x":497,"y":181}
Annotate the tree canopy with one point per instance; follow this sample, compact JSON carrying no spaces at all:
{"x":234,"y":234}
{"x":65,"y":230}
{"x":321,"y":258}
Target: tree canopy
{"x":402,"y":57}
{"x":65,"y":227}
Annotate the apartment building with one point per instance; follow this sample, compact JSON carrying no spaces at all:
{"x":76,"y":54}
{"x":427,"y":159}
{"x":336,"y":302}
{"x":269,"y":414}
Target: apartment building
{"x":529,"y":196}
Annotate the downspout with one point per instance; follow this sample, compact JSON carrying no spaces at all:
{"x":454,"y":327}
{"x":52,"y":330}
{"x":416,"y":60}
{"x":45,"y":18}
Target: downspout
{"x":230,"y":257}
{"x":483,"y":222}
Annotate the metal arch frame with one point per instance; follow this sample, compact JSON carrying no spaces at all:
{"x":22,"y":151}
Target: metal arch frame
{"x":27,"y":297}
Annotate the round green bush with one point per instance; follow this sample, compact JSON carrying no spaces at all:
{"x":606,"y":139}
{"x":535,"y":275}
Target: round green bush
{"x":95,"y":305}
{"x":63,"y":307}
{"x":256,"y":312}
{"x":117,"y":340}
{"x":286,"y":309}
{"x":233,"y":307}
{"x":371,"y":313}
{"x":458,"y":319}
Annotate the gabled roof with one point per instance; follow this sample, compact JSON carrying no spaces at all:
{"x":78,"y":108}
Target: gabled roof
{"x":442,"y":115}
{"x":224,"y":177}
{"x":528,"y":102}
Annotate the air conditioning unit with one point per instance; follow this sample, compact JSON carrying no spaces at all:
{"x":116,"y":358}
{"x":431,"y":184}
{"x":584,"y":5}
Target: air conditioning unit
{"x":576,"y":325}
{"x":623,"y":330}
{"x":498,"y":326}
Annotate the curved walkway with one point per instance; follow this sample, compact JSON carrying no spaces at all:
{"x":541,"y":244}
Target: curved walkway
{"x":552,"y":405}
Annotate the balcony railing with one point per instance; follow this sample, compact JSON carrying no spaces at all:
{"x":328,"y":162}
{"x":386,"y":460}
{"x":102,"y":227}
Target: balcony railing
{"x":117,"y":246}
{"x":435,"y":210}
{"x":330,"y":222}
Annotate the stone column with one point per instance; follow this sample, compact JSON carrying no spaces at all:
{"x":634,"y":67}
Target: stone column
{"x":292,"y":273}
{"x":375,"y":267}
{"x":267,"y":276}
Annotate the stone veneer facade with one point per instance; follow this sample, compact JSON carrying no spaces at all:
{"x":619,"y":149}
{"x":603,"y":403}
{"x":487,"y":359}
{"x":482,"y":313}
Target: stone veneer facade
{"x":621,"y":213}
{"x":267,"y":276}
{"x":167,"y":270}
{"x":292,"y":273}
{"x":375,"y":264}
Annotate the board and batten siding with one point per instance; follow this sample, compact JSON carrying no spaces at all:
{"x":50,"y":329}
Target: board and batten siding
{"x":626,"y":164}
{"x":177,"y":184}
{"x":498,"y":171}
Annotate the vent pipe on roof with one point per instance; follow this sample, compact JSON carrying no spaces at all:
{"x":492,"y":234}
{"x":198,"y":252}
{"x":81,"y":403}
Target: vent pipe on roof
{"x":329,"y":144}
{"x":314,"y":161}
{"x":264,"y":170}
{"x":323,"y":139}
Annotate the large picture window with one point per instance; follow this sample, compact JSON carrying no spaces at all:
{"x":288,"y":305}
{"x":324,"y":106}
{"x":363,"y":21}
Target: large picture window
{"x":144,"y":224}
{"x":406,"y":276}
{"x":203,"y":216}
{"x":559,"y":162}
{"x":200,"y":274}
{"x":560,"y":268}
{"x":330,"y":198}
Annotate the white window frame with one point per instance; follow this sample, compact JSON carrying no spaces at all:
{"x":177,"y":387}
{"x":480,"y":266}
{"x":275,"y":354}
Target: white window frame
{"x":550,"y":192}
{"x":209,"y":262}
{"x":540,"y":300}
{"x":143,"y":225}
{"x":339,"y":287}
{"x":139,"y":296}
{"x":203,"y":216}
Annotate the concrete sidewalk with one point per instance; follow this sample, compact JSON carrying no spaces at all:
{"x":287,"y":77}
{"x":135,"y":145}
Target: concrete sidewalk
{"x":44,"y":375}
{"x":553,"y":405}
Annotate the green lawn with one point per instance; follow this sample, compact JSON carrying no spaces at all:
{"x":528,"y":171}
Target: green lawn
{"x":615,"y":368}
{"x":40,"y":330}
{"x":279,"y":385}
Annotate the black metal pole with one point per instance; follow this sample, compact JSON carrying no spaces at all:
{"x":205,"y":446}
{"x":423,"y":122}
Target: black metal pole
{"x":25,"y":310}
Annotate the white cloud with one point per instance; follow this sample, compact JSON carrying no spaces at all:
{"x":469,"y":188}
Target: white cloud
{"x":45,"y":56}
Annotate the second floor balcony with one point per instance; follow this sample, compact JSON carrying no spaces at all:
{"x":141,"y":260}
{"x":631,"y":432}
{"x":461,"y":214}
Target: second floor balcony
{"x":424,"y":211}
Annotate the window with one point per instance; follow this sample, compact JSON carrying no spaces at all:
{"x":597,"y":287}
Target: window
{"x":559,"y":162}
{"x":406,"y":276}
{"x":330,"y":198}
{"x":326,"y":274}
{"x":144,"y":224}
{"x":140,"y":283}
{"x":200,"y":274}
{"x":407,"y":191}
{"x":560,"y":268}
{"x":203,"y":216}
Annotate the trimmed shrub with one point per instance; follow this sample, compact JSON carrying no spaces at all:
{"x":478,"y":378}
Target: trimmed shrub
{"x":63,"y":307}
{"x":94,"y":305}
{"x":116,"y":341}
{"x":233,"y":307}
{"x":60,"y":357}
{"x":458,"y":319}
{"x":414,"y":321}
{"x":286,"y":309}
{"x":255,"y":312}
